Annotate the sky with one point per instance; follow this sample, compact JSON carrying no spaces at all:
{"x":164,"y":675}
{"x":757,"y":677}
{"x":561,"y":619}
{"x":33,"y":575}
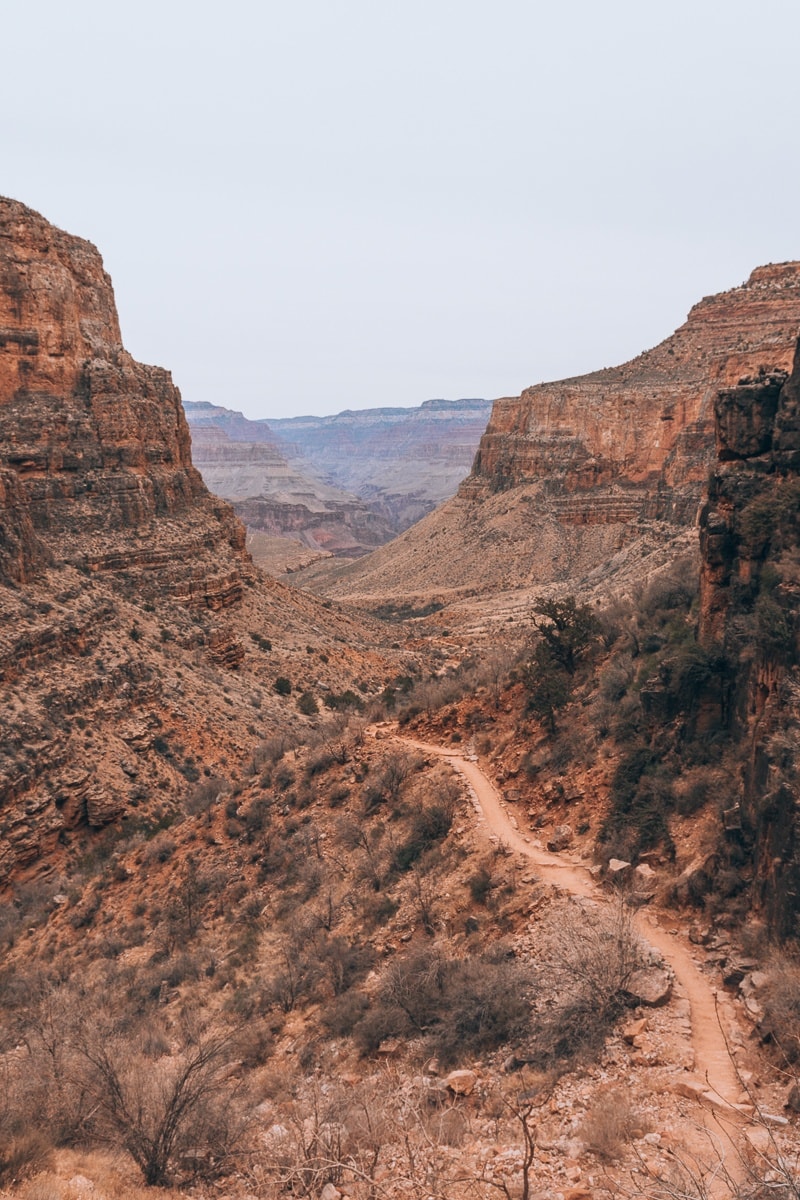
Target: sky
{"x":315,"y":205}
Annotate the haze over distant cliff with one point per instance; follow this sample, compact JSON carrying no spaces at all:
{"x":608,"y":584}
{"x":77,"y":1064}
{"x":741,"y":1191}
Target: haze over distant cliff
{"x":342,"y":484}
{"x":573,"y":473}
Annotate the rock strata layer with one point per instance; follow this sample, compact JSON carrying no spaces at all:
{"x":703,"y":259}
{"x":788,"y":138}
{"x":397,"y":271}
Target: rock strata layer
{"x":573,"y":477}
{"x":139,"y":647}
{"x":94,"y":446}
{"x":344,"y":483}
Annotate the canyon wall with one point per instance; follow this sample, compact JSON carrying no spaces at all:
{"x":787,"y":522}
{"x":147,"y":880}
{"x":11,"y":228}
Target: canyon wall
{"x":94,"y":446}
{"x":635,"y":440}
{"x":275,"y":498}
{"x":138,"y":645}
{"x":750,"y":621}
{"x":585,"y":476}
{"x":402,"y":461}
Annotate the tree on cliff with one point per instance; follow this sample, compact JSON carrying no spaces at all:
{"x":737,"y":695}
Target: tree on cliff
{"x":567,"y":629}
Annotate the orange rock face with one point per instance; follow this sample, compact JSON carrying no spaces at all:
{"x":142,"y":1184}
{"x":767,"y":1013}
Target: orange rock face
{"x":636,"y":440}
{"x":94,"y":446}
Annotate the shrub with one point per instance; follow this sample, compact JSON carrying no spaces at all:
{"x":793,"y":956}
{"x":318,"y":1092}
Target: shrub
{"x":429,"y":826}
{"x":460,"y":1006}
{"x":344,"y":1013}
{"x":23,"y":1152}
{"x":480,"y":884}
{"x":610,"y":1125}
{"x":345,"y":701}
{"x":159,"y":850}
{"x":283,"y":686}
{"x":567,"y":629}
{"x":781,"y":1001}
{"x":487,"y":1004}
{"x":587,"y":960}
{"x":307,"y":704}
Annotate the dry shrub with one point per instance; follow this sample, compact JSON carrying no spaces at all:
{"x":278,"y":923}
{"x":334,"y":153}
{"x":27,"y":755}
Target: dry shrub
{"x":610,"y":1124}
{"x":781,"y":1001}
{"x":587,"y":959}
{"x":23,"y":1152}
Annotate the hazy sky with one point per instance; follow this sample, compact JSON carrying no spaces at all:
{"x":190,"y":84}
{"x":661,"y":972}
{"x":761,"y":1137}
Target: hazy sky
{"x":328,"y":204}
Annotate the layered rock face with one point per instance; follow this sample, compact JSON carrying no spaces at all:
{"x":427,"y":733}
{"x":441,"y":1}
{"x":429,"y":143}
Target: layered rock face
{"x":573,"y":477}
{"x":750,"y":615}
{"x":274,"y":498}
{"x":138,"y":645}
{"x":635,"y":440}
{"x":94,"y":447}
{"x":402,"y":461}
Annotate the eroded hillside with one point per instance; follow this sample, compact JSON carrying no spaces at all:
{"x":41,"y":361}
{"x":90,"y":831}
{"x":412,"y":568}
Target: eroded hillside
{"x":435,"y":901}
{"x":589,"y":476}
{"x":139,"y":647}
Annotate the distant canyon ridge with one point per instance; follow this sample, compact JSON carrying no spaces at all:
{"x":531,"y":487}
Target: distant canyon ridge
{"x":598,"y":475}
{"x":312,"y":487}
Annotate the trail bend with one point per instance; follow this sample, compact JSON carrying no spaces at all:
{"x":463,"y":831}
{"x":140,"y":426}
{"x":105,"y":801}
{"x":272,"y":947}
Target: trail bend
{"x":713,"y":1063}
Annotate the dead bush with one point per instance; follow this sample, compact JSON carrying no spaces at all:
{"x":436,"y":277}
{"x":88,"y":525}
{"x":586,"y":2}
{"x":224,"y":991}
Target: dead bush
{"x":460,"y":1006}
{"x":23,"y":1152}
{"x":610,"y":1124}
{"x":587,"y":960}
{"x":781,"y":1001}
{"x":186,"y":1102}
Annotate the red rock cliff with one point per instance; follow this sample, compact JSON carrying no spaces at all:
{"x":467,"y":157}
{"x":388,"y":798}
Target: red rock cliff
{"x":636,"y":440}
{"x":750,"y":614}
{"x":94,"y":446}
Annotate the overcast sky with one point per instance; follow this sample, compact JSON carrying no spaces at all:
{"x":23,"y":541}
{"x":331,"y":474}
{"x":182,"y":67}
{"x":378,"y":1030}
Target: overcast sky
{"x":315,"y":205}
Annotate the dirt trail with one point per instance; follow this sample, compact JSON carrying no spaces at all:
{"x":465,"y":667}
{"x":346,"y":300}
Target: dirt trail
{"x":713,"y":1063}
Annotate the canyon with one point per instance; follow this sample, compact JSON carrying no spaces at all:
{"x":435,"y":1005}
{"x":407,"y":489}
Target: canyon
{"x":472,"y":871}
{"x":592,"y":476}
{"x":338,"y":485}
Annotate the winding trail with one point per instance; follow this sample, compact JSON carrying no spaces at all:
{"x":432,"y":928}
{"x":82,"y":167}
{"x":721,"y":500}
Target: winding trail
{"x":713,"y":1063}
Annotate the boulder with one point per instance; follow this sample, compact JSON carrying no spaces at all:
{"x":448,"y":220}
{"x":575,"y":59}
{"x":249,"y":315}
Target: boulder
{"x":651,"y":986}
{"x":462,"y":1083}
{"x":634,"y":1029}
{"x":618,"y":869}
{"x":561,"y":838}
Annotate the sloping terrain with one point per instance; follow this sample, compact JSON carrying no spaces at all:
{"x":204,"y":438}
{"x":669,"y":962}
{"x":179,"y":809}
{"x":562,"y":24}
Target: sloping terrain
{"x":257,"y":937}
{"x":139,"y":647}
{"x":589,"y":476}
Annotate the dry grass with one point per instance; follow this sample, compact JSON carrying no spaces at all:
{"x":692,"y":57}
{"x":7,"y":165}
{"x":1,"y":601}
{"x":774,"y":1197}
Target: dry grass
{"x":92,"y":1176}
{"x":610,"y":1125}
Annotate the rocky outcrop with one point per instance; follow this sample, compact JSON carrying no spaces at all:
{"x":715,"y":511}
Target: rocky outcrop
{"x":94,"y":447}
{"x":750,"y":619}
{"x":587,"y":475}
{"x":138,"y":645}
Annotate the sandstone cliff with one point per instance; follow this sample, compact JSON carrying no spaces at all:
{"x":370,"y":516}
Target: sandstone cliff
{"x":578,"y":476}
{"x":138,"y":645}
{"x":94,"y":447}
